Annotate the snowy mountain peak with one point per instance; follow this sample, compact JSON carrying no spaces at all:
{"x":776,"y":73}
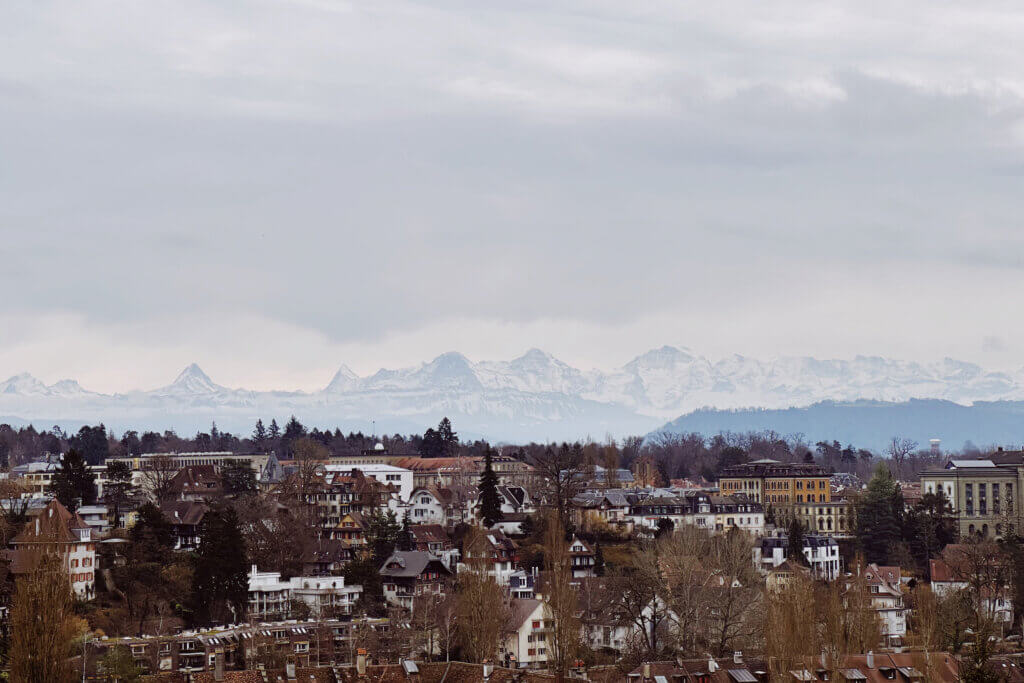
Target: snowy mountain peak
{"x":344,"y":380}
{"x":193,"y":380}
{"x":23,"y":384}
{"x":449,"y":370}
{"x":663,"y":358}
{"x":67,"y":387}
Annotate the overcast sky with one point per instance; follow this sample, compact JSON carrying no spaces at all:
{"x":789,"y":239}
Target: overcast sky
{"x":274,"y":188}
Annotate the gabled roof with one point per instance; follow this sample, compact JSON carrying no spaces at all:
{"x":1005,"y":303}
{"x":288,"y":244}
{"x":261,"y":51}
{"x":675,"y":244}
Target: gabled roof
{"x":184,"y":511}
{"x":195,"y":479}
{"x":429,"y":533}
{"x":522,"y":609}
{"x":410,"y":563}
{"x":54,"y":523}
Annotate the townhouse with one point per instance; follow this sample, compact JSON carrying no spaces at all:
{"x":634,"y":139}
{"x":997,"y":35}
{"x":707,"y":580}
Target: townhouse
{"x":303,"y":643}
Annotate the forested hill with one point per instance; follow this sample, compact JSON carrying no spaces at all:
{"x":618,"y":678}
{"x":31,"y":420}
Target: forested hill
{"x":872,"y":423}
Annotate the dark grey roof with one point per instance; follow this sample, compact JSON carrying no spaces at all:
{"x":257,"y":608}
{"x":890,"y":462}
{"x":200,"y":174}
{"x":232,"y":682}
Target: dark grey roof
{"x":410,"y":563}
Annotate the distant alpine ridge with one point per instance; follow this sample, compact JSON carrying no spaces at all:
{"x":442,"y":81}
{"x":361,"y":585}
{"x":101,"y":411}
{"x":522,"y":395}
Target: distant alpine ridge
{"x":532,"y":397}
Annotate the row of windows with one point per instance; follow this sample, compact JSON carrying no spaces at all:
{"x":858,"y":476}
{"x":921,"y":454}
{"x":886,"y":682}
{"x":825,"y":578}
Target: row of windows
{"x":983,"y":508}
{"x":82,"y":576}
{"x":86,"y":562}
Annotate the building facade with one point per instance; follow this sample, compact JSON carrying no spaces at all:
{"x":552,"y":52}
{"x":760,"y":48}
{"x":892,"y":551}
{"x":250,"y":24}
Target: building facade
{"x":983,"y":494}
{"x":771,"y":482}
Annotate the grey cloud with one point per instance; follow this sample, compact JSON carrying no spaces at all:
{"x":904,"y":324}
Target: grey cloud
{"x":366,"y":171}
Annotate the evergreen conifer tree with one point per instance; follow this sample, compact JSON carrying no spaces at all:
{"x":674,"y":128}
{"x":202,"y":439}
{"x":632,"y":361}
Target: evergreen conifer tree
{"x":795,"y":549}
{"x":879,"y":516}
{"x":490,"y":502}
{"x":259,"y":436}
{"x":73,"y":484}
{"x":221,"y":583}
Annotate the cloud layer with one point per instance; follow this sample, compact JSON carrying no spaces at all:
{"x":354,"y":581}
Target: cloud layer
{"x":273,"y":188}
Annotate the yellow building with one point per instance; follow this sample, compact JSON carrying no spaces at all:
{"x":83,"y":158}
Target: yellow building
{"x":773,"y":483}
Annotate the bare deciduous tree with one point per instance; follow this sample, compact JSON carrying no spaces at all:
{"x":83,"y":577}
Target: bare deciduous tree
{"x":157,"y":473}
{"x":898,"y":450}
{"x":43,"y":625}
{"x":481,"y":613}
{"x":560,"y":599}
{"x":561,"y":472}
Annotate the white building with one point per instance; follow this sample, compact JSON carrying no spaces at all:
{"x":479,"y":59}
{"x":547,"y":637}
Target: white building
{"x":527,"y":641}
{"x":427,"y":506}
{"x":821,"y":553}
{"x":886,"y":593}
{"x":96,"y":517}
{"x":385,"y":474}
{"x":326,"y":596}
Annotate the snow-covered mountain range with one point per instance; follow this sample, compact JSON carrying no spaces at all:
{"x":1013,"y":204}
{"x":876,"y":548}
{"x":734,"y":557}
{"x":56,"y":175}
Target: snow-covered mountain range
{"x":532,"y":397}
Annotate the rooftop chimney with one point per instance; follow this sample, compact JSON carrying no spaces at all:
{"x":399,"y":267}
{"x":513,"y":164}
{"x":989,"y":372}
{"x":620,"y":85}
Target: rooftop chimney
{"x":647,"y":671}
{"x":361,"y":662}
{"x":289,"y":669}
{"x":871,"y":659}
{"x":737,"y":657}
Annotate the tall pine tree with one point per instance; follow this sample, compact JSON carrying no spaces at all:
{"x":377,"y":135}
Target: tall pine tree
{"x":490,"y":502}
{"x":259,"y":436}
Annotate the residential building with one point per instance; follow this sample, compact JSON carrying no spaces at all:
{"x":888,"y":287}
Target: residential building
{"x":350,"y":529}
{"x":820,"y":552}
{"x":408,"y":574}
{"x":399,"y":477}
{"x":694,"y":508}
{"x":191,"y":653}
{"x":432,"y":538}
{"x":430,"y":505}
{"x":196,"y":482}
{"x":325,"y":596}
{"x":54,"y":529}
{"x":491,"y":551}
{"x":975,"y":569}
{"x":903,"y":667}
{"x":527,"y":640}
{"x":886,"y":592}
{"x":521,"y":583}
{"x":737,"y":512}
{"x":36,"y":476}
{"x":185,"y":517}
{"x":582,"y":558}
{"x":95,"y":516}
{"x":327,"y":557}
{"x":833,"y":518}
{"x":598,"y":509}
